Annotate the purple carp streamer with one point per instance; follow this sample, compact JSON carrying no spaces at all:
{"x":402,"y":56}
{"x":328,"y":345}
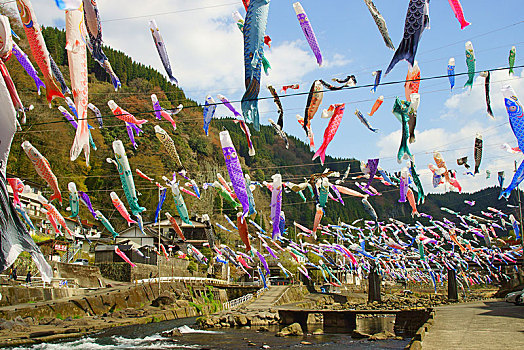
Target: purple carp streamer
{"x":235,"y":170}
{"x":85,"y":200}
{"x":229,"y":106}
{"x":162,"y":51}
{"x":28,"y":66}
{"x":373,"y":167}
{"x":94,"y":33}
{"x":276,"y":205}
{"x":308,"y":31}
{"x":417,"y":19}
{"x":254,"y":32}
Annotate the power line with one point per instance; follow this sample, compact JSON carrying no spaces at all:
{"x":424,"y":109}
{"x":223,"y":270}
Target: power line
{"x":171,"y":12}
{"x":295,"y":94}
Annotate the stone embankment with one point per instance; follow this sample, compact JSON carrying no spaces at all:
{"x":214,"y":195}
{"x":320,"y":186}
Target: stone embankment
{"x":77,"y":316}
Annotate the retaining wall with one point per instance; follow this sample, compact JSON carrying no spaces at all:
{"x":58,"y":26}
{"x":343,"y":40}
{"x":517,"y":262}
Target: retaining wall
{"x":99,"y":303}
{"x":123,"y":272}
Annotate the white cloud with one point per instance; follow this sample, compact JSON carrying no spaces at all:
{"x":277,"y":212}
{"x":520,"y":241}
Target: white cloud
{"x":204,"y":45}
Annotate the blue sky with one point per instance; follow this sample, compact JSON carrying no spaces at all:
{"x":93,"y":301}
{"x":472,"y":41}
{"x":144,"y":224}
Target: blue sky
{"x":206,"y":53}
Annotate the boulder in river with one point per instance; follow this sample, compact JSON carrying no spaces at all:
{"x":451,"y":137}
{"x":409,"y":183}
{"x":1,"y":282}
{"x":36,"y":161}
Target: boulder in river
{"x":172,"y":333}
{"x":359,"y":335}
{"x":292,"y":330}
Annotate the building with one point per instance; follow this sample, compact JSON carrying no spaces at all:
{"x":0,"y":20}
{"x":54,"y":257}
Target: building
{"x":106,"y":254}
{"x":194,"y":234}
{"x":33,"y":208}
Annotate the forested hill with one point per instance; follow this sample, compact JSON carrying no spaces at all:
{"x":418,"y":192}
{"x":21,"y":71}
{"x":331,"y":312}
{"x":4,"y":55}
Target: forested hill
{"x":52,"y":135}
{"x":202,"y":156}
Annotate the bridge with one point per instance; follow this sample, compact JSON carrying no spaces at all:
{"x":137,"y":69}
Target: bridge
{"x":407,"y":322}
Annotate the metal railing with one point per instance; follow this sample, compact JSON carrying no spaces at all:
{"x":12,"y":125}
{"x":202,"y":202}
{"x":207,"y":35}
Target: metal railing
{"x":281,"y":296}
{"x":237,"y":302}
{"x":260,"y":292}
{"x":212,"y":281}
{"x":243,"y":299}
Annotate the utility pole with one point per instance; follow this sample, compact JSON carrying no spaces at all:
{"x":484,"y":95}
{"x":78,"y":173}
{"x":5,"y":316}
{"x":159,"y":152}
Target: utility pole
{"x":520,"y":210}
{"x":159,"y":250}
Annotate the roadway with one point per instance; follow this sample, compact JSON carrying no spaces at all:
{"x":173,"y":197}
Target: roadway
{"x":477,"y":325}
{"x":268,"y":298}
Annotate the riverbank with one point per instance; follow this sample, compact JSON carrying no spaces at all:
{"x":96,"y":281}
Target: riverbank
{"x":47,"y":321}
{"x":27,"y":331}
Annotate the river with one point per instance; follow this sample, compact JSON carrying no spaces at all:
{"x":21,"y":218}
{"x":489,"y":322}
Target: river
{"x":148,"y":337}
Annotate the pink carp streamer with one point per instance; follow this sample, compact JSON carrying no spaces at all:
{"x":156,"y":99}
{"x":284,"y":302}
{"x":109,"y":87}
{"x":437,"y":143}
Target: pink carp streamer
{"x":459,"y":13}
{"x":124,"y":256}
{"x":330,"y":131}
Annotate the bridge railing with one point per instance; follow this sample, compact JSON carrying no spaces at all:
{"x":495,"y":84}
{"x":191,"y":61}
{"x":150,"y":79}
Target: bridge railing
{"x":212,"y":281}
{"x":237,"y":302}
{"x":260,"y":292}
{"x":243,"y":299}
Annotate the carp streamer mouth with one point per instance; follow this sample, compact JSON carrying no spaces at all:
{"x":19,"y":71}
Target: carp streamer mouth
{"x":25,"y":14}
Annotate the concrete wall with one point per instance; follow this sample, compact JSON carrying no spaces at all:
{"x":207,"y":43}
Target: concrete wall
{"x":292,"y":294}
{"x":85,"y":276}
{"x":13,"y":295}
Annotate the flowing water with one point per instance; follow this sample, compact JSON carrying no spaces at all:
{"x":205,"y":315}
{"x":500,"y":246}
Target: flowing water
{"x":148,"y":337}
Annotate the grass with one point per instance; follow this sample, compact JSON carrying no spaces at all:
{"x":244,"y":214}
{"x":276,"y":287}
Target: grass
{"x":59,"y":316}
{"x":198,"y":307}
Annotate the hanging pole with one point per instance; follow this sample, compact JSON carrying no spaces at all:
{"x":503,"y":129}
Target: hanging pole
{"x":159,"y":256}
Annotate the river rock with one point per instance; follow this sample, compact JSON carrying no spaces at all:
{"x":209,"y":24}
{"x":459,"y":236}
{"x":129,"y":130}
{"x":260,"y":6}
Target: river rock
{"x":166,"y":298}
{"x":172,"y":333}
{"x":359,"y":335}
{"x":318,"y":331}
{"x":292,"y":330}
{"x":7,"y":325}
{"x":382,"y":336}
{"x":241,"y":320}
